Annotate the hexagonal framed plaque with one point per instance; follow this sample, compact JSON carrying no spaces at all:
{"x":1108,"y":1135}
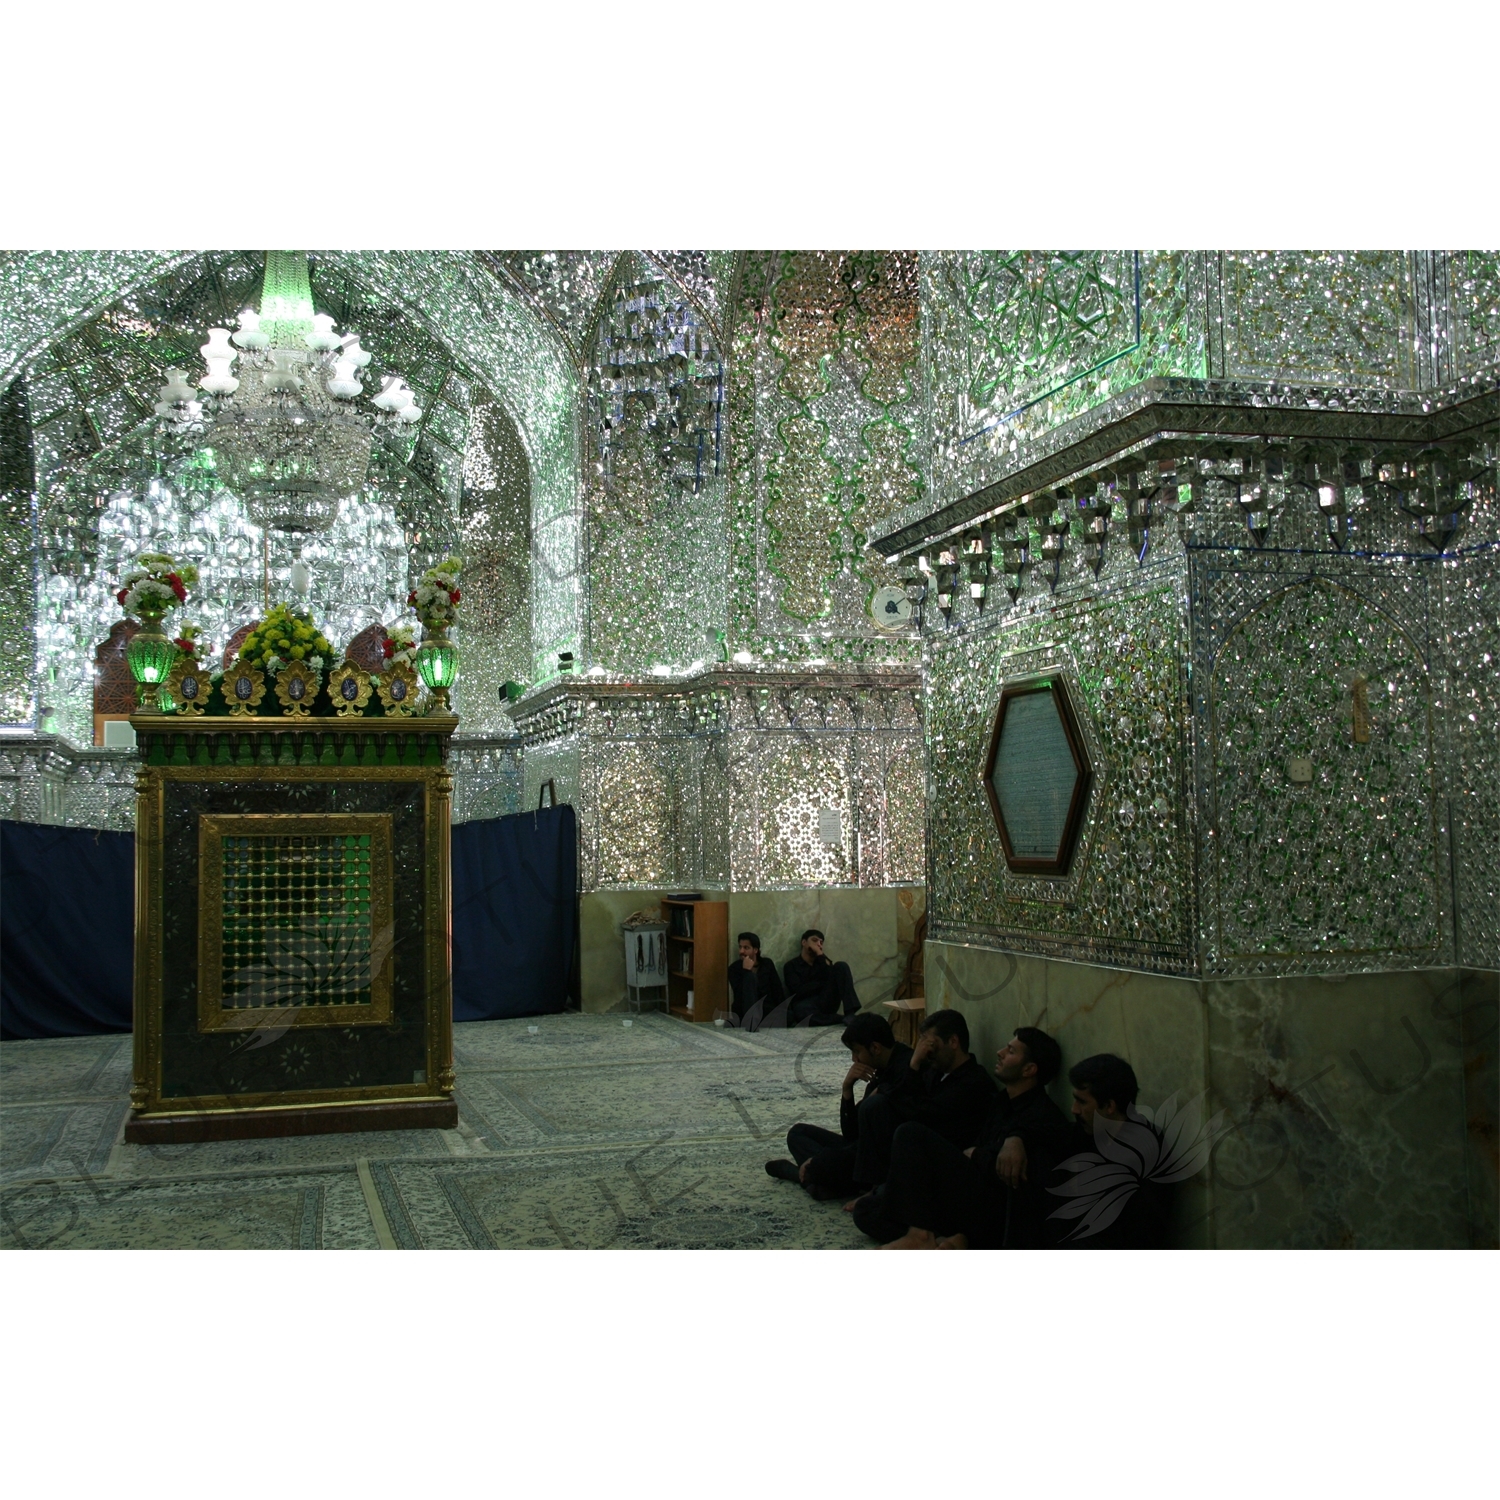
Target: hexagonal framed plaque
{"x":1037,"y":776}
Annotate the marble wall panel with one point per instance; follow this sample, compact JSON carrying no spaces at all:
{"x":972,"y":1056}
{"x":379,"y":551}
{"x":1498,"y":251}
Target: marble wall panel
{"x":1479,"y":998}
{"x":870,"y":930}
{"x":1346,"y":1097}
{"x":1156,"y":1022}
{"x":1350,"y":1121}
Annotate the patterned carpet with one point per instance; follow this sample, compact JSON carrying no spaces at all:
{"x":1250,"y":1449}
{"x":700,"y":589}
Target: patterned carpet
{"x":584,"y":1134}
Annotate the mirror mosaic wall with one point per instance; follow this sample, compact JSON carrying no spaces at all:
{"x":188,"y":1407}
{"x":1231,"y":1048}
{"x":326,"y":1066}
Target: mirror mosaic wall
{"x":852,"y":411}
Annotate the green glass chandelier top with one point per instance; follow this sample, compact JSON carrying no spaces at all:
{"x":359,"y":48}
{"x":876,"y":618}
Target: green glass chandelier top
{"x":286,"y":303}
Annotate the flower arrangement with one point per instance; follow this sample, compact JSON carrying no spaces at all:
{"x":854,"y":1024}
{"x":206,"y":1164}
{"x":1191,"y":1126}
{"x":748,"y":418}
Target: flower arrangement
{"x":284,"y":636}
{"x":154,"y":585}
{"x":436,"y":597}
{"x":186,"y":640}
{"x":399,"y":645}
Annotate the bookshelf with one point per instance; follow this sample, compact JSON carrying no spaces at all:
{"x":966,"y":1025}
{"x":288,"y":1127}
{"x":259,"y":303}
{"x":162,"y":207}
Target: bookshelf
{"x":697,"y":957}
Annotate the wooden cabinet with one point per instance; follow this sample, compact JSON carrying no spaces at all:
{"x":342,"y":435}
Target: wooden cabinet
{"x":697,"y":957}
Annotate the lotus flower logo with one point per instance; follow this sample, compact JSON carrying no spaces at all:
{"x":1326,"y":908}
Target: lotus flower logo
{"x":311,"y":964}
{"x":1165,"y":1146}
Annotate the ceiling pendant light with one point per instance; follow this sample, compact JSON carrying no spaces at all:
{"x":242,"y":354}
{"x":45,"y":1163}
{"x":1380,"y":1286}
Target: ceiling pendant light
{"x":286,"y":433}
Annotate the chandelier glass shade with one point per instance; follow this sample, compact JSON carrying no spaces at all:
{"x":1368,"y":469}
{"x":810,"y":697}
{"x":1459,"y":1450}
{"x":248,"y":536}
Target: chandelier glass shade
{"x":285,"y":429}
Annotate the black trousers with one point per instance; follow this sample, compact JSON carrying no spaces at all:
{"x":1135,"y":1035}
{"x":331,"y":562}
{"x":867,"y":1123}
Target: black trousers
{"x":933,"y":1185}
{"x":827,"y":1005}
{"x":842,"y":1165}
{"x":832,"y":1158}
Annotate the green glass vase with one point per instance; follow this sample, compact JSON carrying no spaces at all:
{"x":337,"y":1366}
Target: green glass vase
{"x":437,"y":666}
{"x":150,"y":656}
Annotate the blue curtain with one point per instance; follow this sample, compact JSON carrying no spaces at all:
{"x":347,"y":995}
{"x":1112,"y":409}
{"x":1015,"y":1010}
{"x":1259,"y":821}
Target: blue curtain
{"x":515,"y":914}
{"x":67,"y":918}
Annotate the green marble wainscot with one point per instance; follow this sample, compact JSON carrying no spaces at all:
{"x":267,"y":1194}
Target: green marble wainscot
{"x":869,"y":929}
{"x":1359,"y":1110}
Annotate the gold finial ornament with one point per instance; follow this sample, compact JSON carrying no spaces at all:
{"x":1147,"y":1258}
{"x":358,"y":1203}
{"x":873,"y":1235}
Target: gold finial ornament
{"x":244,"y":687}
{"x":349,"y":687}
{"x":1360,"y":691}
{"x":296,"y":687}
{"x":398,"y":689}
{"x":188,"y":686}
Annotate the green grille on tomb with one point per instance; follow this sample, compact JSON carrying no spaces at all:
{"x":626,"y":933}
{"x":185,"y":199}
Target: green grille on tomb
{"x":298,"y":927}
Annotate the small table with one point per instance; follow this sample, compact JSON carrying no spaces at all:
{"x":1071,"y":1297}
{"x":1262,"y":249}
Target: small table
{"x":906,"y":1018}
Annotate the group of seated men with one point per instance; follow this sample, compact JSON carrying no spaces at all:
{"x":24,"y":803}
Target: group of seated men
{"x":810,"y":991}
{"x":938,"y":1154}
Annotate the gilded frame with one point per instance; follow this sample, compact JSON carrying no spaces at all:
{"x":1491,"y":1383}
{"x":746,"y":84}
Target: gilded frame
{"x":213,"y":1015}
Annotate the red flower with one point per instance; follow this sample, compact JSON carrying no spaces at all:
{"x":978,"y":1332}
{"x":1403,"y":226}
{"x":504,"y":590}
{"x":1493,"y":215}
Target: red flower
{"x":388,"y":646}
{"x":455,"y":596}
{"x":187,"y":647}
{"x":411,"y":598}
{"x":121,"y":595}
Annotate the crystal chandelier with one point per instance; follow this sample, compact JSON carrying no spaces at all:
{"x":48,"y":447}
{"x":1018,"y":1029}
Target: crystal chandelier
{"x":287,"y":433}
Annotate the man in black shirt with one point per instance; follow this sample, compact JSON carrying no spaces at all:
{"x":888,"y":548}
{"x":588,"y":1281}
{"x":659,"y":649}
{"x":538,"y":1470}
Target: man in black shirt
{"x":832,"y":1166}
{"x":990,"y":1195}
{"x":1115,"y":1214}
{"x":817,"y":989}
{"x":755,"y":987}
{"x":944,"y":1091}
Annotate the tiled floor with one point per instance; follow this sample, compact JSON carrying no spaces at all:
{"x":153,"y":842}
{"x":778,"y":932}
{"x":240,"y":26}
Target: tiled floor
{"x":586,"y":1134}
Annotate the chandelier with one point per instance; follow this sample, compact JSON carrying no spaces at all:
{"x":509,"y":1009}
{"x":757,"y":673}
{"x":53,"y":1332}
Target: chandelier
{"x":288,"y":433}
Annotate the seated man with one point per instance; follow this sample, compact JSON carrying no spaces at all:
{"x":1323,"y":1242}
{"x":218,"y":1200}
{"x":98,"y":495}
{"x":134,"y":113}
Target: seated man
{"x":990,"y":1195}
{"x":754,"y":987}
{"x":1104,"y":1091}
{"x":944,"y":1088}
{"x":817,"y":989}
{"x":829,"y":1165}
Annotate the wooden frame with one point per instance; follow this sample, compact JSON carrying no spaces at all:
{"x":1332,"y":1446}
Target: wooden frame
{"x":707,"y":950}
{"x":1073,"y":824}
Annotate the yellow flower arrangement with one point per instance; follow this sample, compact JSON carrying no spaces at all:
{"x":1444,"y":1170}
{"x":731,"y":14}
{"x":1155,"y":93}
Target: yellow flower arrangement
{"x":286,"y":635}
